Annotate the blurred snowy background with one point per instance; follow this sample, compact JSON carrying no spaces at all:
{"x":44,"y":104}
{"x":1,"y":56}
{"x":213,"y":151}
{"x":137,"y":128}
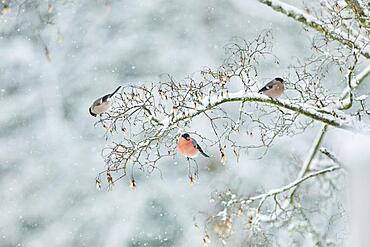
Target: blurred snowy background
{"x":56,"y":59}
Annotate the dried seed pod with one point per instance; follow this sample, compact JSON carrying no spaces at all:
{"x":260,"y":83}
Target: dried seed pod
{"x":50,"y":8}
{"x":97,"y":184}
{"x":160,"y":92}
{"x":191,"y":180}
{"x":6,"y":9}
{"x":223,"y":228}
{"x":240,"y":211}
{"x":206,"y":239}
{"x":250,"y":219}
{"x":136,"y":97}
{"x":133,"y":184}
{"x":110,"y":179}
{"x":222,"y":156}
{"x":237,"y":154}
{"x":60,"y":36}
{"x":174,"y":109}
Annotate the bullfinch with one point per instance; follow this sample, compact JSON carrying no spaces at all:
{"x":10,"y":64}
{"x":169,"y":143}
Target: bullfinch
{"x":189,"y":147}
{"x":102,"y":104}
{"x":274,"y":88}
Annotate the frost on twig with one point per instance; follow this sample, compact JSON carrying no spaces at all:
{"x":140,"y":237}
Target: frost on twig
{"x":261,"y":213}
{"x":145,"y":121}
{"x":337,"y":20}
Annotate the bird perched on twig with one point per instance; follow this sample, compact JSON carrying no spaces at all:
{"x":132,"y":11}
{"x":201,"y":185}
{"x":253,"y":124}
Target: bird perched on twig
{"x":274,"y":88}
{"x":102,"y":104}
{"x":189,"y":147}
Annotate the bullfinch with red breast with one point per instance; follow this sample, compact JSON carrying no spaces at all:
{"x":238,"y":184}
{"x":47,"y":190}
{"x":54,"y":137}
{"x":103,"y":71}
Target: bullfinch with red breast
{"x":189,"y":147}
{"x":274,"y":88}
{"x":102,"y":104}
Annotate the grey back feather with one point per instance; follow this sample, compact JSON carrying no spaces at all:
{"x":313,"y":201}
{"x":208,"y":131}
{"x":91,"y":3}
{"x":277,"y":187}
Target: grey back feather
{"x":269,"y":85}
{"x":98,"y":101}
{"x":196,"y":145}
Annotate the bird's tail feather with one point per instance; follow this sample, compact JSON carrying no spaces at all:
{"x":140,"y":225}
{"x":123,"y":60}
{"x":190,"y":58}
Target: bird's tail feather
{"x":115,"y":91}
{"x":202,"y":152}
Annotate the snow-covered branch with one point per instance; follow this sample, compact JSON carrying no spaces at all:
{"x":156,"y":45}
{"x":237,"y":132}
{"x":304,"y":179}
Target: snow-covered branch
{"x":359,"y":12}
{"x":159,"y":127}
{"x":331,"y":156}
{"x":325,"y":27}
{"x":355,"y":83}
{"x":311,"y":155}
{"x":287,"y":187}
{"x":316,"y":145}
{"x":283,"y":202}
{"x":151,"y":116}
{"x":307,"y":110}
{"x":231,"y":206}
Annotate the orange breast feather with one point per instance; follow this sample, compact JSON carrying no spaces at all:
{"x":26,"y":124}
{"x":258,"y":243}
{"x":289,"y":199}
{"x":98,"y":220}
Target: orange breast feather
{"x":186,"y":148}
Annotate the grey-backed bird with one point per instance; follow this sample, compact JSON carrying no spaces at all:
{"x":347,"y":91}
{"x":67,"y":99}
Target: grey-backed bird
{"x":189,"y":147}
{"x":274,"y":88}
{"x":102,"y":104}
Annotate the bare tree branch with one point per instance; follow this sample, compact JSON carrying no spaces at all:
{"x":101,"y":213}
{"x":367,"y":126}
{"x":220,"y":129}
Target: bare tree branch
{"x":283,"y":207}
{"x":151,"y":116}
{"x":311,"y":21}
{"x":307,"y":110}
{"x":359,"y":12}
{"x":355,"y":83}
{"x":318,"y":141}
{"x":315,"y":147}
{"x":289,"y":186}
{"x":331,"y":156}
{"x":231,"y":206}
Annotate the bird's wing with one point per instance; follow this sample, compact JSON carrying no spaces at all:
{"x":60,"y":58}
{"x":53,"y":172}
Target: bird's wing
{"x":105,"y":98}
{"x":196,"y":145}
{"x":194,"y":142}
{"x":268,"y":86}
{"x":98,"y":102}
